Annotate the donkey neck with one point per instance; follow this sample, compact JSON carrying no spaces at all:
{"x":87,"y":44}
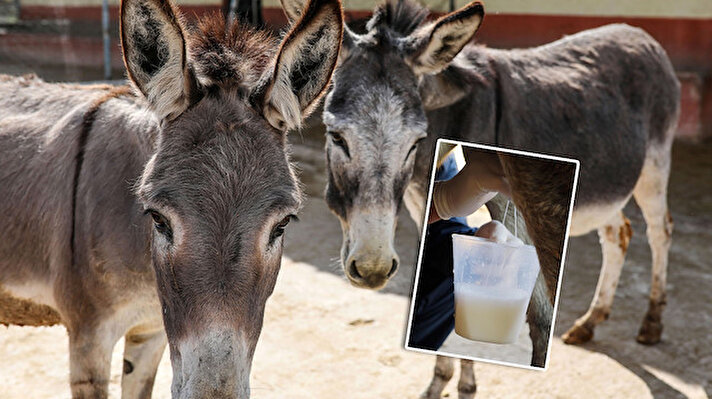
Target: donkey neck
{"x":472,"y":79}
{"x":102,"y":107}
{"x":116,"y":138}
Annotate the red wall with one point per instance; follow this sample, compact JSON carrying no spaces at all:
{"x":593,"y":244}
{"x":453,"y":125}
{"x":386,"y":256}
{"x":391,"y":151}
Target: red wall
{"x":688,"y":42}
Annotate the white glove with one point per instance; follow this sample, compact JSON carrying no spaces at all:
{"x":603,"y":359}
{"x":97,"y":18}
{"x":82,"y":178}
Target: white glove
{"x":478,"y":182}
{"x":459,"y":198}
{"x":496,"y":232}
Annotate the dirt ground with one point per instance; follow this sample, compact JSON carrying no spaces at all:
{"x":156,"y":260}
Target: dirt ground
{"x":324,"y":339}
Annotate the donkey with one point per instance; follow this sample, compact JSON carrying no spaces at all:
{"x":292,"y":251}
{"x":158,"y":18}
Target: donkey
{"x":608,"y":97}
{"x":129,"y":210}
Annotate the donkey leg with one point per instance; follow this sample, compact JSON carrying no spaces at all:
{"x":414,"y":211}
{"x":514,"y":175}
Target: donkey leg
{"x":442,"y":373}
{"x":90,"y":362}
{"x":467,"y":386}
{"x":539,"y":317}
{"x":651,"y":195}
{"x":142,"y":353}
{"x":614,"y":237}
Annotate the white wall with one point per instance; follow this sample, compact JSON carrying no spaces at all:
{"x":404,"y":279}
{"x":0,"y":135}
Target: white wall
{"x":74,"y":3}
{"x":639,"y":8}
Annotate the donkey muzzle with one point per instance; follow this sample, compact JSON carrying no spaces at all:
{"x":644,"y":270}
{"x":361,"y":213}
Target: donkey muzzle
{"x":215,"y":364}
{"x":370,"y":259}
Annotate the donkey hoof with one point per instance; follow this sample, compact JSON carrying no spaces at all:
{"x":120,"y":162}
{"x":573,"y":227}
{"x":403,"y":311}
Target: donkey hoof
{"x":430,"y":393}
{"x":577,"y":335}
{"x":466,"y":391}
{"x":650,"y":332}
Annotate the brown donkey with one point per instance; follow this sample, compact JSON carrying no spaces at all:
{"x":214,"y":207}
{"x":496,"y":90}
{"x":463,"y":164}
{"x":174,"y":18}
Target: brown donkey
{"x":182,"y":184}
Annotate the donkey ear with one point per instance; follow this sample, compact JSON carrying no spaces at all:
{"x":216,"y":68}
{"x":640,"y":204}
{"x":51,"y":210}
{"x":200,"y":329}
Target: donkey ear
{"x":430,"y":49}
{"x":155,"y":55}
{"x":350,"y":41}
{"x":304,"y":65}
{"x":293,"y":9}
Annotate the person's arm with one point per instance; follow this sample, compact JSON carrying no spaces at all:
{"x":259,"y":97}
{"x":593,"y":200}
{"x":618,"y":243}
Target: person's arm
{"x":478,"y":182}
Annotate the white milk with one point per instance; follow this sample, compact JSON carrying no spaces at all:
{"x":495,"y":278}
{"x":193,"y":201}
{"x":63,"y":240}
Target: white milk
{"x":489,"y":314}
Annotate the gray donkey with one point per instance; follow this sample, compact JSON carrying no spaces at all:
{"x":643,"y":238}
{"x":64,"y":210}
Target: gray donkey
{"x":123,"y":211}
{"x":608,"y":97}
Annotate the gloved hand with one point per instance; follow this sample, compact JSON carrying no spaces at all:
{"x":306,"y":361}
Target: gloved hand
{"x":496,"y":232}
{"x":478,"y":182}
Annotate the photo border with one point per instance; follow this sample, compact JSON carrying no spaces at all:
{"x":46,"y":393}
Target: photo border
{"x":421,"y":248}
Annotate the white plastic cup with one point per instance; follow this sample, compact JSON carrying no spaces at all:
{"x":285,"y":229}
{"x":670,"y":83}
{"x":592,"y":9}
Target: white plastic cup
{"x":493,"y":285}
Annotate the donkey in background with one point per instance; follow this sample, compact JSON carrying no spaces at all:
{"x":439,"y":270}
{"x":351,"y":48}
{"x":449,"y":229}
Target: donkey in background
{"x":198,"y":145}
{"x":607,"y":97}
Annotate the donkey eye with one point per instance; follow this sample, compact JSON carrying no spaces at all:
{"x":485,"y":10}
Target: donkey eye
{"x":160,"y":223}
{"x":278,"y":229}
{"x":339,"y":141}
{"x":412,"y":149}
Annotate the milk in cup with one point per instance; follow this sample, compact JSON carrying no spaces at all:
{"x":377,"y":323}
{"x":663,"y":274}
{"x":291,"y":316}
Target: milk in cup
{"x":493,"y":284}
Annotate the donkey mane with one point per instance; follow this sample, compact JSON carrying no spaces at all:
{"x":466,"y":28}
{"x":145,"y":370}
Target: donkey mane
{"x":400,"y":16}
{"x":229,"y":55}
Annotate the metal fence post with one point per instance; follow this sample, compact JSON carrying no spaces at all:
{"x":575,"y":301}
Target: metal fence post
{"x":106,"y":38}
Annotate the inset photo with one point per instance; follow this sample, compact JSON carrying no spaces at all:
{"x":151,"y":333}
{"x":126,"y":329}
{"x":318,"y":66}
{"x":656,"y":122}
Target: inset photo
{"x":491,"y":254}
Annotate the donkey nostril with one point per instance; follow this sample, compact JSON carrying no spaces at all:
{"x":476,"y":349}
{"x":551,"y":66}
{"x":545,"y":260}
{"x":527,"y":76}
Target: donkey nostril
{"x":353,"y":271}
{"x":394,"y":267}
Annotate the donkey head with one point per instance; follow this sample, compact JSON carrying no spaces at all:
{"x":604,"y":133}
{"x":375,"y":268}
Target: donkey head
{"x":375,"y":118}
{"x":220,"y":188}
